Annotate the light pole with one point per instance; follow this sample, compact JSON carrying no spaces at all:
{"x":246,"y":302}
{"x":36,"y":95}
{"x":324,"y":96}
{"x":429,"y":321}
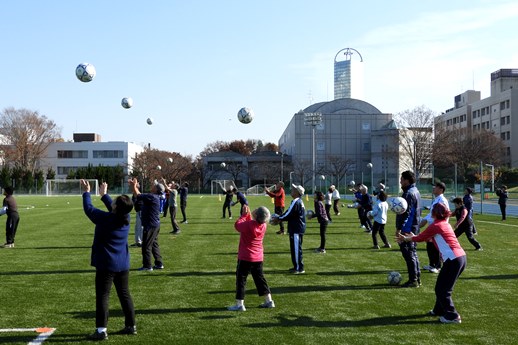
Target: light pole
{"x":313,"y":119}
{"x":370,"y":166}
{"x":282,"y":165}
{"x":291,"y":180}
{"x":492,"y":177}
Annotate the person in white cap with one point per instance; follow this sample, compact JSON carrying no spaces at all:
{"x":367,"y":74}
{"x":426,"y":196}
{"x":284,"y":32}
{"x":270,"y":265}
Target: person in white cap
{"x":336,"y":198}
{"x":295,"y":215}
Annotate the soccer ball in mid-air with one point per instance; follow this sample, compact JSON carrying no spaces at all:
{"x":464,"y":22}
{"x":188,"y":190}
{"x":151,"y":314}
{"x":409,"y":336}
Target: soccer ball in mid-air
{"x":149,"y":121}
{"x":170,"y":159}
{"x":245,"y":115}
{"x":310,"y":214}
{"x":394,"y":278}
{"x":127,"y":102}
{"x":274,"y":219}
{"x":85,"y":72}
{"x":352,"y":183}
{"x":398,"y":205}
{"x":223,"y":164}
{"x":158,"y":167}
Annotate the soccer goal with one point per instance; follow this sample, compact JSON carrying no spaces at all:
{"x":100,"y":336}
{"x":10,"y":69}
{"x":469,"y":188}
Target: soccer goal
{"x":217,"y":186}
{"x":259,"y":189}
{"x":69,"y":187}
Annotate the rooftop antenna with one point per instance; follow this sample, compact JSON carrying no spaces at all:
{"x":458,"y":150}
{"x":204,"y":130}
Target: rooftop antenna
{"x":310,"y":96}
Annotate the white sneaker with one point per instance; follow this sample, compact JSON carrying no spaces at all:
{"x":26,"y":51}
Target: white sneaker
{"x":445,"y":320}
{"x":237,"y":308}
{"x":433,"y":270}
{"x":270,"y":304}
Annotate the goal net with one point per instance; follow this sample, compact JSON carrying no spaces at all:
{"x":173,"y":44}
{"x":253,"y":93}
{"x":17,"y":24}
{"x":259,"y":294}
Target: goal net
{"x":259,"y":189}
{"x":69,"y":187}
{"x":217,"y":186}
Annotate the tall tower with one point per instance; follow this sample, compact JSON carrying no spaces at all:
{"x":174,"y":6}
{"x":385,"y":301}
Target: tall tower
{"x":347,"y":72}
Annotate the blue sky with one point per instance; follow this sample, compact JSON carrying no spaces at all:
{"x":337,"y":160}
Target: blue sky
{"x":191,"y":65}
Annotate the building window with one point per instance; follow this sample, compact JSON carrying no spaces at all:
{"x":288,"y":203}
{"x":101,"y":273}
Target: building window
{"x":66,"y":170}
{"x":502,"y":136}
{"x":72,"y":154}
{"x":474,"y":115}
{"x":508,"y":151}
{"x":321,"y":146}
{"x":483,"y":111}
{"x":366,"y":147}
{"x":108,"y":154}
{"x":502,"y":121}
{"x":502,"y":105}
{"x":508,"y":135}
{"x":507,"y":104}
{"x":508,"y":118}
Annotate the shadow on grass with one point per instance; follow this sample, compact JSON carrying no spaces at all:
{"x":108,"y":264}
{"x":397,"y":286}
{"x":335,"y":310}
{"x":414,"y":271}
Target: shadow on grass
{"x":21,"y":273}
{"x":90,"y":314}
{"x":202,"y":274}
{"x":67,"y":338}
{"x":493,"y":277}
{"x":306,"y":321}
{"x":6,"y":339}
{"x":55,"y":247}
{"x":311,"y":288}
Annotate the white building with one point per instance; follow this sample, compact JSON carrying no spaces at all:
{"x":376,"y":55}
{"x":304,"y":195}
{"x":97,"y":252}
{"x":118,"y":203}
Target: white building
{"x":86,"y":149}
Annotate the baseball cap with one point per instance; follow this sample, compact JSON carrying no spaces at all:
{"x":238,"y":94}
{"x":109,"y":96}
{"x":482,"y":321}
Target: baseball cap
{"x":440,"y":185}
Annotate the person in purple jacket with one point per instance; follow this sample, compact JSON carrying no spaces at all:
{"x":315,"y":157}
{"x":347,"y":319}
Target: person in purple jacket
{"x":321,"y":215}
{"x":111,"y":258}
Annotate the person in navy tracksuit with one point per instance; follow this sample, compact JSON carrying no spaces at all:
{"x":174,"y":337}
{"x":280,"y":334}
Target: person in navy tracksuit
{"x":407,"y":224}
{"x":295,"y":215}
{"x":241,"y":199}
{"x":111,"y":258}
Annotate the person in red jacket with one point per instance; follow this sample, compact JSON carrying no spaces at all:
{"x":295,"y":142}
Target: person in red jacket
{"x":454,"y":261}
{"x":279,"y":197}
{"x":252,"y":228}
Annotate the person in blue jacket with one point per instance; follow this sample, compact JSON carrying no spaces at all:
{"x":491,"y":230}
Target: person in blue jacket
{"x":295,"y":215}
{"x":407,"y":224}
{"x":110,"y":256}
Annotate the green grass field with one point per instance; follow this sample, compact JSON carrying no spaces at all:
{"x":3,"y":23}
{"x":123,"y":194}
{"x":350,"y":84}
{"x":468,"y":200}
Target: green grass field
{"x":344,"y":298}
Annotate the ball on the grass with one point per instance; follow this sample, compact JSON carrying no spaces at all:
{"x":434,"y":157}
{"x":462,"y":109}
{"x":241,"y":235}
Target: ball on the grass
{"x":149,"y":121}
{"x":394,"y":278}
{"x":398,"y":205}
{"x":127,"y":102}
{"x":245,"y":115}
{"x":310,"y":214}
{"x":85,"y":72}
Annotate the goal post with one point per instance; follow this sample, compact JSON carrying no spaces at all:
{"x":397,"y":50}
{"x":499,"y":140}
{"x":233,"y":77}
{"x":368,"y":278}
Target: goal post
{"x":59,"y":187}
{"x":216,"y":186}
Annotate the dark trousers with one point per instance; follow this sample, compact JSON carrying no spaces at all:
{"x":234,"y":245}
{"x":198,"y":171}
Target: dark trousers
{"x":296,"y":251}
{"x":226,"y":206}
{"x":328,"y":211}
{"x":150,"y":247}
{"x":166,"y":207}
{"x":364,"y":220}
{"x":280,"y":210}
{"x":335,"y":206}
{"x":409,"y":252}
{"x":469,"y":234}
{"x":11,"y":225}
{"x":378,"y":228}
{"x":242,"y":271}
{"x":434,"y":258}
{"x":183,"y":205}
{"x":446,"y":279}
{"x":172,"y":214}
{"x":502,"y":210}
{"x":103,"y":285}
{"x":323,"y":230}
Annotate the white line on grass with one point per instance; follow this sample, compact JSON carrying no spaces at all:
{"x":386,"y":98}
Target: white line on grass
{"x":44,"y":333}
{"x":485,"y":221}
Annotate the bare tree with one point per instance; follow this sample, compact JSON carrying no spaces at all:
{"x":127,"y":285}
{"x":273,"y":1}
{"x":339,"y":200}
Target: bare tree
{"x":416,"y":138}
{"x":465,"y":147}
{"x":303,"y":171}
{"x":25,"y":136}
{"x":339,"y":166}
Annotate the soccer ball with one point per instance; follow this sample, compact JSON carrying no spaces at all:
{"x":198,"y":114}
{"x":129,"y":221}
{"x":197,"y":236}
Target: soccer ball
{"x":127,"y":102}
{"x":398,"y":205}
{"x":245,"y":115}
{"x":149,"y":121}
{"x":223,"y":164}
{"x":310,"y":214}
{"x":274,"y":219}
{"x":170,"y":160}
{"x":158,"y":167}
{"x":352,"y":183}
{"x":85,"y":72}
{"x":394,"y":278}
{"x":369,"y":165}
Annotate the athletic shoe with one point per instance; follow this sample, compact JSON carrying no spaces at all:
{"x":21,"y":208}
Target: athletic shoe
{"x":175,"y":232}
{"x":387,"y":245}
{"x":129,"y":330}
{"x":137,"y":244}
{"x":434,"y":270}
{"x":376,"y":247}
{"x":445,"y":320}
{"x":9,"y":245}
{"x":236,"y":308}
{"x":479,"y":249}
{"x":411,"y":284}
{"x":145,"y":269}
{"x":270,"y":304}
{"x":320,"y":251}
{"x":427,"y":267}
{"x":158,"y":267}
{"x":230,"y":217}
{"x":337,"y":214}
{"x":292,"y":270}
{"x":300,"y":272}
{"x":98,"y":336}
{"x":280,"y":232}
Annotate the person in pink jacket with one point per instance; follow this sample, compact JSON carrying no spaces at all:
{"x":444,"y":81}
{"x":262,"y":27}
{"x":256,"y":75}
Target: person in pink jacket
{"x":252,"y":228}
{"x":453,"y":257}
